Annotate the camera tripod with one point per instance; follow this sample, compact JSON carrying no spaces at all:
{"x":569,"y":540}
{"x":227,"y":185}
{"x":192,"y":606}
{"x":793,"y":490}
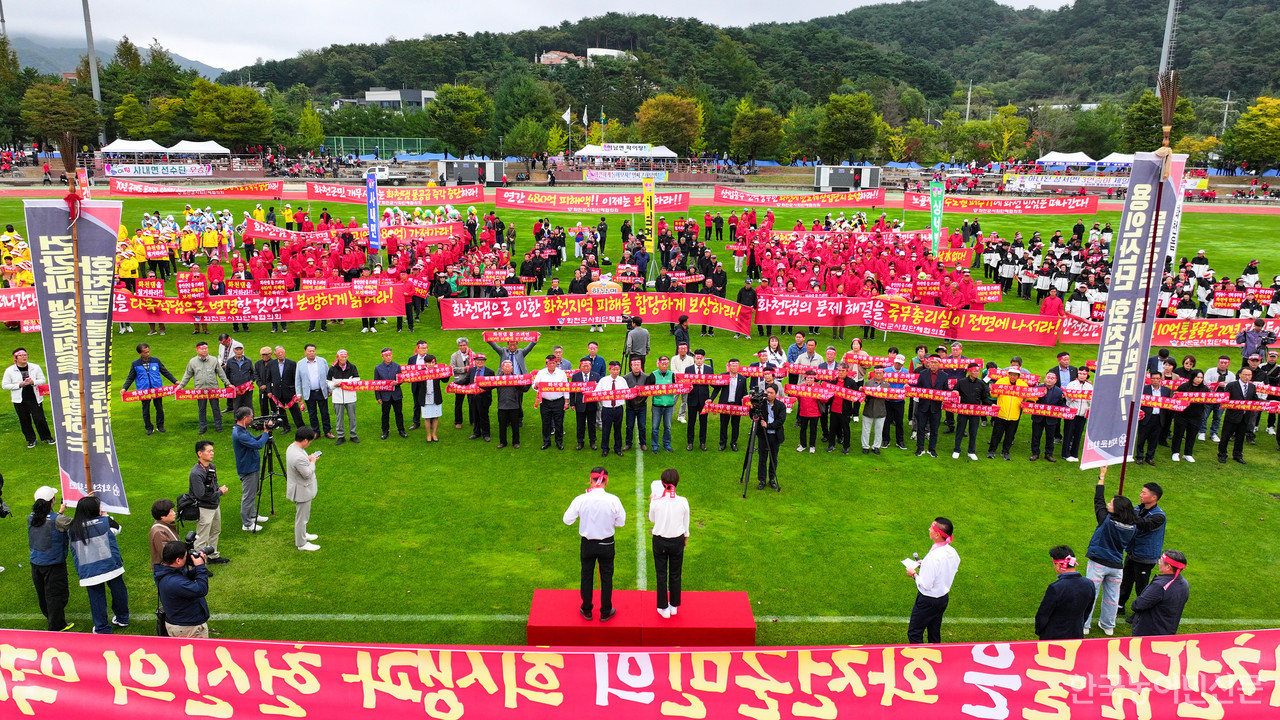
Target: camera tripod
{"x":266,"y":475}
{"x":756,"y":431}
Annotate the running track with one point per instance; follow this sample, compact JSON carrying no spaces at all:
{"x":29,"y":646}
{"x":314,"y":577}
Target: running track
{"x":893,"y":201}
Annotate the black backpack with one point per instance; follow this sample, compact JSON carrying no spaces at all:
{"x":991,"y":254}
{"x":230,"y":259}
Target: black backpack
{"x":187,"y":508}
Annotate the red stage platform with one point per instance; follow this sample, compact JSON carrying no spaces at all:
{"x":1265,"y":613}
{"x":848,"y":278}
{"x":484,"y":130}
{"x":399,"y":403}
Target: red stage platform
{"x":706,"y":619}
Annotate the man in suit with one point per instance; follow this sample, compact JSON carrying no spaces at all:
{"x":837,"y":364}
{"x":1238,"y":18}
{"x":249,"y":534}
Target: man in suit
{"x":697,"y":398}
{"x":311,"y":384}
{"x":419,"y":389}
{"x":929,"y":411}
{"x":731,"y":394}
{"x":262,"y":376}
{"x":1152,"y":421}
{"x":301,"y":485}
{"x":481,"y":403}
{"x":771,"y":436}
{"x":281,"y":378}
{"x":513,"y":353}
{"x":390,"y":400}
{"x":585,"y":411}
{"x":239,"y":370}
{"x":1235,"y":423}
{"x":1067,"y":601}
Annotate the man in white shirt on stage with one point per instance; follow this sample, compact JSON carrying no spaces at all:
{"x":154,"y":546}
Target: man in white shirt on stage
{"x":598,"y":513}
{"x":933,"y":579}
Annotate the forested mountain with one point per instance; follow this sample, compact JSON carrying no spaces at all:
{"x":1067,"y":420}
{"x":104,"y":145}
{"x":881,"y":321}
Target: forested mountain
{"x":1082,"y":52}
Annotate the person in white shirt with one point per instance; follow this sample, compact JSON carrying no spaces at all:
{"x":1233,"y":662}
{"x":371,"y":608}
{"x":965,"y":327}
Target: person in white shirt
{"x":598,"y":512}
{"x":553,"y":404}
{"x":933,"y":579}
{"x":682,"y":362}
{"x":670,"y":516}
{"x":1075,"y":426}
{"x":611,"y":410}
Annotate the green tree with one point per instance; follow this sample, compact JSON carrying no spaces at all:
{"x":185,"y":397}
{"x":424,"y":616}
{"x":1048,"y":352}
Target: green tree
{"x":800,"y":132}
{"x":556,"y":139}
{"x":460,"y":117}
{"x":1255,"y":138}
{"x":1142,"y":130}
{"x":1097,"y":131}
{"x":12,"y":85}
{"x":309,"y":129}
{"x":672,"y":121}
{"x":1008,"y":134}
{"x":131,"y":118}
{"x":51,"y":110}
{"x":518,"y":97}
{"x":848,"y":124}
{"x":756,"y":131}
{"x":235,"y":116}
{"x":526,"y":139}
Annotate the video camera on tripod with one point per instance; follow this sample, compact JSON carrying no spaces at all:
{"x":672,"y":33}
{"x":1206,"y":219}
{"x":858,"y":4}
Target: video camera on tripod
{"x":266,"y":422}
{"x":759,"y":404}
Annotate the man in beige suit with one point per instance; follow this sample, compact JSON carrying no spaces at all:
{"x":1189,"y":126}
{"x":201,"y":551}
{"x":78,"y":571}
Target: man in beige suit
{"x":300,"y":473}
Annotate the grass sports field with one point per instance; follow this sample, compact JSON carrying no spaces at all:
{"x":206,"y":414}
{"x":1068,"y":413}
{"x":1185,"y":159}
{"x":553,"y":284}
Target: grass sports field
{"x":445,"y":543}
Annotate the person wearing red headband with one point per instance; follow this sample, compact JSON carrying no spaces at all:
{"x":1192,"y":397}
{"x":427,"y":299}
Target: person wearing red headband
{"x":598,"y":512}
{"x":934,"y":576}
{"x":669,"y":514}
{"x":1158,"y":610}
{"x":1067,"y":600}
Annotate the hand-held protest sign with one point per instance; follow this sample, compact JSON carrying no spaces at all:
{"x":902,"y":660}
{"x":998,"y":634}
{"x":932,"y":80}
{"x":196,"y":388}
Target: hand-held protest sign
{"x":74,"y":274}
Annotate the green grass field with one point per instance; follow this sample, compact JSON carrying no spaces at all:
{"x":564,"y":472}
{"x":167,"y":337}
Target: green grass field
{"x":461,"y":529}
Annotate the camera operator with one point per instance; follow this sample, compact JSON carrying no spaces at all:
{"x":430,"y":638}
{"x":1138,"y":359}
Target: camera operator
{"x":770,"y":426}
{"x":248,"y":464}
{"x":203,"y":484}
{"x":637,"y":342}
{"x":183,"y":591}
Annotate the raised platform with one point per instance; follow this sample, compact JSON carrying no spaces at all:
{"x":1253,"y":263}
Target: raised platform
{"x":706,"y":619}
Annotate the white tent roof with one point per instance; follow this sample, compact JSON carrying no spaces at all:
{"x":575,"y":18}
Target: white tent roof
{"x":134,"y":146}
{"x":1057,"y":158}
{"x":209,"y":147}
{"x":1116,"y":158}
{"x":658,"y":151}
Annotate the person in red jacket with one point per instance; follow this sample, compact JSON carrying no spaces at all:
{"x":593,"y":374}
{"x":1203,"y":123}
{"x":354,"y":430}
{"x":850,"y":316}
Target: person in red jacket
{"x":1052,"y":305}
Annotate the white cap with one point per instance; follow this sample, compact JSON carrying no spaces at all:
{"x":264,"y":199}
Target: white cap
{"x":901,"y":359}
{"x":46,"y":493}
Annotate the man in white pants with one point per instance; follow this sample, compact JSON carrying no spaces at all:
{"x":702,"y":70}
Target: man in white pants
{"x":301,"y":487}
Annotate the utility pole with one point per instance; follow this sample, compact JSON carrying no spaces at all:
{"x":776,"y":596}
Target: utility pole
{"x":1170,"y":30}
{"x":967,"y":100}
{"x":93,"y":67}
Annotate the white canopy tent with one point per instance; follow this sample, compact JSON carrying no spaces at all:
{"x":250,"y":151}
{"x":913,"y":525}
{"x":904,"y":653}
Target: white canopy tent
{"x":134,"y":147}
{"x":208,"y":147}
{"x":1057,"y":158}
{"x":630,"y":150}
{"x":1117,"y":159}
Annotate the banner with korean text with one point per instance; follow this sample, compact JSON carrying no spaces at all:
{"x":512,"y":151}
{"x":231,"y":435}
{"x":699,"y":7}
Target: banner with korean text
{"x":397,"y":195}
{"x":269,"y":190}
{"x":595,"y":203}
{"x":732,"y":197}
{"x":158,"y":170}
{"x":1137,"y":257}
{"x":538,"y":311}
{"x":74,"y":277}
{"x":333,"y":303}
{"x":1228,"y":676}
{"x":438,"y":233}
{"x":1066,"y":205}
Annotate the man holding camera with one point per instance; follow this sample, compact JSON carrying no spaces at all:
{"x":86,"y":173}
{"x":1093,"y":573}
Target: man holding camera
{"x":637,"y":342}
{"x":203,"y":482}
{"x":246,"y":446}
{"x":183,"y":591}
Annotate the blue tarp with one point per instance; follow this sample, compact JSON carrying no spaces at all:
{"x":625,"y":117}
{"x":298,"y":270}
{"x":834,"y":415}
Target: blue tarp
{"x":1271,"y":173}
{"x":913,"y":165}
{"x":898,"y":165}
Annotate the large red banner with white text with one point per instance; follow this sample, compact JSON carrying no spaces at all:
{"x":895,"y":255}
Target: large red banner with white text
{"x":1171,"y":332}
{"x":256,"y":230}
{"x":1066,"y":205}
{"x":727,"y":196}
{"x":541,"y":311}
{"x":329,"y":304}
{"x":607,"y":203}
{"x":397,"y":195}
{"x":269,"y":190}
{"x":1229,"y":676}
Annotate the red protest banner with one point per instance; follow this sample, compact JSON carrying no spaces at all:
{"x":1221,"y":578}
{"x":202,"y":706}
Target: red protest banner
{"x":419,"y":373}
{"x":456,"y":389}
{"x":366,"y":385}
{"x":149,"y":288}
{"x":1061,"y":412}
{"x":364,"y":287}
{"x":456,"y":194}
{"x":989,"y":293}
{"x":715,"y":408}
{"x":971,"y":409}
{"x":841,"y":391}
{"x":268,"y":190}
{"x":1211,"y":398}
{"x":542,"y":311}
{"x":1227,"y":299}
{"x":1065,"y":205}
{"x":192,"y":286}
{"x":675,"y":388}
{"x":151,"y":394}
{"x":238,"y":288}
{"x":727,"y":196}
{"x":817,"y":392}
{"x":30,"y":326}
{"x":931,"y":393}
{"x":1203,"y":332}
{"x":1164,"y":403}
{"x":523,"y":336}
{"x":1026,"y":393}
{"x":314,"y":283}
{"x":594,"y":203}
{"x":569,"y":387}
{"x":157,"y":251}
{"x":328,"y":304}
{"x":492,"y":381}
{"x":885,"y":393}
{"x":964,"y":258}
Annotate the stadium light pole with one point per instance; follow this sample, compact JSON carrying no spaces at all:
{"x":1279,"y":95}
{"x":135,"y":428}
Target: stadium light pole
{"x":1166,"y":48}
{"x":3,"y":29}
{"x":93,"y":67}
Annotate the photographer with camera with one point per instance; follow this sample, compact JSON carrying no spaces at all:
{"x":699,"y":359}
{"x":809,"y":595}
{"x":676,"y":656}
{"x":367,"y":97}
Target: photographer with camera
{"x":637,"y":342}
{"x":183,"y":590}
{"x":203,"y":482}
{"x":769,"y":416}
{"x":248,"y":464}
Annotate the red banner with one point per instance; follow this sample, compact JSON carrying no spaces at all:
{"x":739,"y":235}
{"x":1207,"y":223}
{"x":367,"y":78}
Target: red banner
{"x":439,"y":232}
{"x":156,"y":251}
{"x":845,"y":393}
{"x":1065,"y":205}
{"x":989,"y":293}
{"x":1250,"y":405}
{"x":329,"y":304}
{"x":1061,"y":412}
{"x":456,"y":194}
{"x":1027,"y":377}
{"x":191,"y":286}
{"x":971,"y":409}
{"x":690,"y":378}
{"x":151,"y":394}
{"x":419,"y":373}
{"x":822,"y":392}
{"x":240,"y":288}
{"x":1203,"y":332}
{"x":493,"y":381}
{"x":715,"y":408}
{"x":727,"y":196}
{"x":523,"y":336}
{"x":1230,"y":675}
{"x":1164,"y":403}
{"x":1210,"y":398}
{"x":885,"y":393}
{"x":222,"y":393}
{"x":931,"y":393}
{"x":542,"y":311}
{"x":1026,"y":393}
{"x":1227,"y":299}
{"x":456,"y":389}
{"x":150,"y":288}
{"x":594,"y":203}
{"x":267,"y":190}
{"x":366,"y":385}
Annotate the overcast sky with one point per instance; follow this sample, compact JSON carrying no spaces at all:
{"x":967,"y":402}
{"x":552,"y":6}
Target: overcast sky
{"x":232,"y":33}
